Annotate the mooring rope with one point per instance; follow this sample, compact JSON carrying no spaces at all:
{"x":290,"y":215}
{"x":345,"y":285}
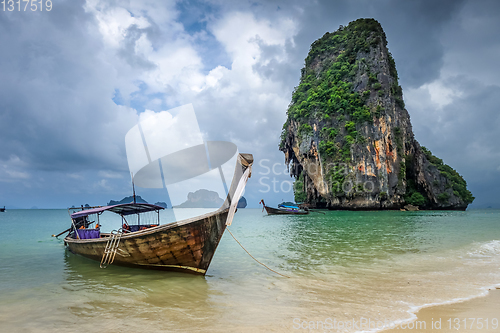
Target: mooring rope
{"x":272,"y":270}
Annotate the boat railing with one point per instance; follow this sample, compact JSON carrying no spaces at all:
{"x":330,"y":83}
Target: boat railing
{"x":111,"y":248}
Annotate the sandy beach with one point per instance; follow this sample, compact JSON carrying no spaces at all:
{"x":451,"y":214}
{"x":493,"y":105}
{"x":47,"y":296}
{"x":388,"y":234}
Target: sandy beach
{"x":344,"y":267}
{"x":480,"y":314}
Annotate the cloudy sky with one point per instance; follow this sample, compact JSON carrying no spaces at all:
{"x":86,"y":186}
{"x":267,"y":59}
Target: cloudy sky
{"x":75,"y":79}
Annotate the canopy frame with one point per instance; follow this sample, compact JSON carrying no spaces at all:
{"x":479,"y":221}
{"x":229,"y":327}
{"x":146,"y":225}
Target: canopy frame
{"x":121,"y":209}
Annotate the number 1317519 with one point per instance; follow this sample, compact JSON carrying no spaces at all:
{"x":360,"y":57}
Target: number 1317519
{"x":26,"y":5}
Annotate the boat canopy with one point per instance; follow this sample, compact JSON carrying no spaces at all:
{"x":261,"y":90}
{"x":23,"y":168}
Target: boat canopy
{"x":121,"y":209}
{"x":288,"y":204}
{"x":293,"y":207}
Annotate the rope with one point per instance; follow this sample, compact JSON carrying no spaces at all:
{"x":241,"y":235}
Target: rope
{"x":272,"y":270}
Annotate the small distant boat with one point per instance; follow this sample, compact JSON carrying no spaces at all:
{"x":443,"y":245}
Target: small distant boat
{"x":284,"y":209}
{"x":2,"y":209}
{"x":187,"y":246}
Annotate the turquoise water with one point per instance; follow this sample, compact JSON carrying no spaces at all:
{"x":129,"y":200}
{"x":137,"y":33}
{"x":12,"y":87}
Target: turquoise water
{"x":342,"y":265}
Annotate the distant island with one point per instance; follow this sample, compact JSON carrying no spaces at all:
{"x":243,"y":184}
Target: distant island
{"x":84,"y":206}
{"x":242,"y":203}
{"x":202,"y":199}
{"x":128,"y":199}
{"x":206,"y":199}
{"x":199,"y":199}
{"x":138,"y":199}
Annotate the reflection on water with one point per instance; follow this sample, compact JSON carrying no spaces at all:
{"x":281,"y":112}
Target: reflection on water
{"x":350,"y":238}
{"x":343,"y":265}
{"x":379,"y":265}
{"x":142,"y":296}
{"x":360,"y":238}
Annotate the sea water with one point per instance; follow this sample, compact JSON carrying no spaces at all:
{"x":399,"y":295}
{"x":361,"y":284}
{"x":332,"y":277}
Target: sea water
{"x":341,"y":266}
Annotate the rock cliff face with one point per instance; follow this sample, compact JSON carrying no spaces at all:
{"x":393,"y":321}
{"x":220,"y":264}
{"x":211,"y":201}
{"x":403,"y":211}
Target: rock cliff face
{"x":348,"y":137}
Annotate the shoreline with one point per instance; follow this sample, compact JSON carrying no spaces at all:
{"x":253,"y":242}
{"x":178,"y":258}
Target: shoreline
{"x":478,"y":314}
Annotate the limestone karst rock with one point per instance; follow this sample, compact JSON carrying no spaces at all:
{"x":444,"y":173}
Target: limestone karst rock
{"x":348,"y":137}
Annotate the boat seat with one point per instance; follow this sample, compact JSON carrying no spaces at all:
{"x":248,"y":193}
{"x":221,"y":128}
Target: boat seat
{"x":88,"y":233}
{"x":141,"y":227}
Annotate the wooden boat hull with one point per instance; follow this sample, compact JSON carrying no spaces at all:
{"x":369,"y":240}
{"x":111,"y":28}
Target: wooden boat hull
{"x":186,"y":246}
{"x":274,"y":211}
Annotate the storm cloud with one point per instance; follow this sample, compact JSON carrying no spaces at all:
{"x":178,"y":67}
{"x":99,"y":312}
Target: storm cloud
{"x":74,"y":80}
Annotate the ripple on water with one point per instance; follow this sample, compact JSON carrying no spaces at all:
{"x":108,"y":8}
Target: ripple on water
{"x":343,"y":265}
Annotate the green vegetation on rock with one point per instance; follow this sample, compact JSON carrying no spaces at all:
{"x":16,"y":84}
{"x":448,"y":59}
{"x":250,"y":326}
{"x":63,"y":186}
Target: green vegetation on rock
{"x":327,"y":93}
{"x":353,"y":39}
{"x":347,"y":118}
{"x":443,"y":197}
{"x":298,"y":189}
{"x":416,"y":199}
{"x":336,"y":178}
{"x":304,"y":130}
{"x":454,"y":179}
{"x":413,"y":196}
{"x":327,"y":148}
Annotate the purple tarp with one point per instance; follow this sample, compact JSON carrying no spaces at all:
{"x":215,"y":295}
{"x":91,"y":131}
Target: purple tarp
{"x":89,"y":233}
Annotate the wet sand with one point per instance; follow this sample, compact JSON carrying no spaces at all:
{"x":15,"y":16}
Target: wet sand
{"x":480,"y":314}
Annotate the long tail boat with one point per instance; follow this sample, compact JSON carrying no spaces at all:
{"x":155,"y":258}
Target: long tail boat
{"x":283,"y":210}
{"x":2,"y":209}
{"x":187,"y":246}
